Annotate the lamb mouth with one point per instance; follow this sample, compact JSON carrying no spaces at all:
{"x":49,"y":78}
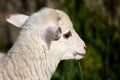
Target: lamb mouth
{"x":76,"y":53}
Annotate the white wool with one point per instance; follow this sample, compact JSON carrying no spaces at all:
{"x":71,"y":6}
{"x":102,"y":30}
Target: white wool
{"x":1,"y":55}
{"x":35,"y":56}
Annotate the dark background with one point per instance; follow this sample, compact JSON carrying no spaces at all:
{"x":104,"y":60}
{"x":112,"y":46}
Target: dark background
{"x":96,"y":21}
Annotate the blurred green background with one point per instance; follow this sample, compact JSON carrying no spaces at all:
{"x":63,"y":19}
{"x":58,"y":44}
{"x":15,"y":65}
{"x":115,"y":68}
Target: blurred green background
{"x":96,"y":21}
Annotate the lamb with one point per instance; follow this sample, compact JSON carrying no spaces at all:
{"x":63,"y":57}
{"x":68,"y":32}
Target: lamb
{"x":46,"y":38}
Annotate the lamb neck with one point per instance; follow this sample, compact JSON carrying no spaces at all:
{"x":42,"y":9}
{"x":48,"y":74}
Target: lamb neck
{"x":28,"y":60}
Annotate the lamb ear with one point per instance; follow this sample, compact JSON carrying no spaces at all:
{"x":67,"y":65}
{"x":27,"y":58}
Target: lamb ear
{"x":16,"y":19}
{"x":53,"y":33}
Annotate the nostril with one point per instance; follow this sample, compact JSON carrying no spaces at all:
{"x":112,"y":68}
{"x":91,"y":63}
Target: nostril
{"x":85,"y":47}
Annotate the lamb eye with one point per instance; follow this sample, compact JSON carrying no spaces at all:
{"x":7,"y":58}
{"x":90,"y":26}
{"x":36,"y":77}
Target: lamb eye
{"x":67,"y":35}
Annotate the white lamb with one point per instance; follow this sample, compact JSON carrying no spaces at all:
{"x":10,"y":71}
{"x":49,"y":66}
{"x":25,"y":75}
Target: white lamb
{"x":46,"y":38}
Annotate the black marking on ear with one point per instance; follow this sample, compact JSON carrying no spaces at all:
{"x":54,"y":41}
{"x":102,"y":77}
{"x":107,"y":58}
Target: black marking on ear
{"x":53,"y":33}
{"x":58,"y":32}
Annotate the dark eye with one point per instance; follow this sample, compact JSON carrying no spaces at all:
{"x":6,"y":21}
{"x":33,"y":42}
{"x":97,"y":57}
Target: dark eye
{"x":67,"y":35}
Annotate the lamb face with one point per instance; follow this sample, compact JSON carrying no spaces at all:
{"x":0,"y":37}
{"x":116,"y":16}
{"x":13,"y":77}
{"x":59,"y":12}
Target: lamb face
{"x":70,"y":45}
{"x":56,"y":29}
